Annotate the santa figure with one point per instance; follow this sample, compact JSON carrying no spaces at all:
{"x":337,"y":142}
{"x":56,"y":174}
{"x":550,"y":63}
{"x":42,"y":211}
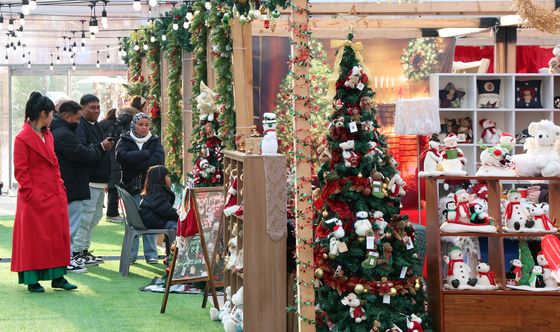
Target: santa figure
{"x":415,"y":324}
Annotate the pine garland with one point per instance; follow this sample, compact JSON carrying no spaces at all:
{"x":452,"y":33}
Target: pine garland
{"x":153,"y":59}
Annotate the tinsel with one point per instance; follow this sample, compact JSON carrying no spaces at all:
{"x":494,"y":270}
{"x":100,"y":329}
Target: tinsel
{"x":538,"y":17}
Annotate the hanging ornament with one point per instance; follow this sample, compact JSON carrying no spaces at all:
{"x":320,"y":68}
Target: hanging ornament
{"x":393,"y":291}
{"x":319,"y":273}
{"x":371,"y":260}
{"x":325,"y":213}
{"x":275,"y":14}
{"x":359,"y":289}
{"x":417,"y":284}
{"x":226,"y":18}
{"x":243,"y":19}
{"x":377,"y":189}
{"x":266,"y":22}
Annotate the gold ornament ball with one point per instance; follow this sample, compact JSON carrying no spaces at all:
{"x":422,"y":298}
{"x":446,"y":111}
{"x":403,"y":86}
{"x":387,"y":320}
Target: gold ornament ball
{"x":332,"y":256}
{"x":385,"y":186}
{"x":365,"y":291}
{"x":325,"y":214}
{"x":393,"y":291}
{"x":359,"y":289}
{"x":417,"y":285}
{"x":361,"y":238}
{"x":319,"y":273}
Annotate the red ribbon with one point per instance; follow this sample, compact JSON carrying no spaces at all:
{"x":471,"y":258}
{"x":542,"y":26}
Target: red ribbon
{"x":451,"y":264}
{"x":545,"y":221}
{"x":492,"y":130}
{"x":509,"y":209}
{"x":358,"y":312}
{"x":490,"y":276}
{"x":517,"y":270}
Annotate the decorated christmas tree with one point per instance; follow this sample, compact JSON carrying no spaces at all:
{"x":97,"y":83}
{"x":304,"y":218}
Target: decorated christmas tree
{"x":364,"y":250}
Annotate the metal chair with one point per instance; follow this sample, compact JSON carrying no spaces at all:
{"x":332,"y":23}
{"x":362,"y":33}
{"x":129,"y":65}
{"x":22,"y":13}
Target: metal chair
{"x":135,"y":227}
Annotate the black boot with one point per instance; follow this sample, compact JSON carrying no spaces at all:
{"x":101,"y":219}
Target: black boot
{"x":35,"y":288}
{"x":62,"y":283}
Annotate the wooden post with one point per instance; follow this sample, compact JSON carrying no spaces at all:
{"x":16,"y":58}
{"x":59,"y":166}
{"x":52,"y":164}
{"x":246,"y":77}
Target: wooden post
{"x":505,"y":50}
{"x":164,"y":72}
{"x":187,"y":63}
{"x":304,"y":218}
{"x":242,"y":76}
{"x":210,"y":58}
{"x":433,"y":250}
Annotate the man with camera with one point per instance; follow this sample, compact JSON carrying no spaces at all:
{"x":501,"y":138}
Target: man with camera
{"x":90,"y":132}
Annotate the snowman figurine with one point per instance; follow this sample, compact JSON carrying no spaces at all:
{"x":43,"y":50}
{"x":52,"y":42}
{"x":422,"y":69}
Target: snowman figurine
{"x":516,"y":215}
{"x":269,"y":145}
{"x":453,"y":157}
{"x":459,"y":274}
{"x":431,"y":158}
{"x":549,"y":281}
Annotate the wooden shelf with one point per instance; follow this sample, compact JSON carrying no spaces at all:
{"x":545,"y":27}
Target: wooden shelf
{"x":447,"y":292}
{"x":492,"y":178}
{"x":503,"y":234}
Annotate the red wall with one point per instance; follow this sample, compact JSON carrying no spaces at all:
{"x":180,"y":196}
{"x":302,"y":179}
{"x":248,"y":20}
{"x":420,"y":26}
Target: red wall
{"x":529,"y":58}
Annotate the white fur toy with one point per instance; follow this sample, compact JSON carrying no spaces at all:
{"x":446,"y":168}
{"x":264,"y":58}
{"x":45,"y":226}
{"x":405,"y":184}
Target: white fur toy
{"x":486,"y":278}
{"x":415,"y":324}
{"x":516,"y":216}
{"x":554,"y":63}
{"x":380,"y":224}
{"x":216,"y":314}
{"x":496,"y":160}
{"x":541,"y":157}
{"x":356,"y":311}
{"x":350,"y":157}
{"x":234,"y":321}
{"x":453,"y":157}
{"x":541,"y":221}
{"x":549,"y":281}
{"x":206,"y":103}
{"x":373,"y":151}
{"x":431,"y":159}
{"x":269,"y":144}
{"x":362,"y":225}
{"x":338,"y":231}
{"x":458,"y":273}
{"x":396,"y":186}
{"x":464,"y":213}
{"x":490,"y":134}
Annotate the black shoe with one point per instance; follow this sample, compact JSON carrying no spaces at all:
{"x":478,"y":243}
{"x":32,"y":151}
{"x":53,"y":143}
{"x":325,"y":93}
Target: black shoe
{"x":35,"y":288}
{"x":63,"y":284}
{"x":92,"y":257}
{"x":84,"y":259}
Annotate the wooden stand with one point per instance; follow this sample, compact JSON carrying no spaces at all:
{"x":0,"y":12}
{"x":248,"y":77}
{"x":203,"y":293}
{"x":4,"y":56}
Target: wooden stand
{"x":264,"y":262}
{"x":499,"y":310}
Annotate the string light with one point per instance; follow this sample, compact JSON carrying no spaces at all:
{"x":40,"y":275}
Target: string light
{"x":64,"y":50}
{"x":137,"y":5}
{"x":152,"y":38}
{"x":32,"y":5}
{"x":175,"y":25}
{"x":164,"y":37}
{"x":25,"y":7}
{"x":186,"y":24}
{"x":97,"y":64}
{"x":29,"y":59}
{"x":153,"y":3}
{"x":74,"y":66}
{"x":145,"y":47}
{"x":136,"y":46}
{"x":21,"y":19}
{"x":104,"y":20}
{"x":108,"y":55}
{"x":51,"y":67}
{"x":6,"y":60}
{"x":92,"y":36}
{"x":58,"y":55}
{"x":11,"y":24}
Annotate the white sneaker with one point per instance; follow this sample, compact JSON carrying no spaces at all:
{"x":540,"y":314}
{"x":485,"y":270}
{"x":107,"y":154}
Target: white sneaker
{"x":75,"y":267}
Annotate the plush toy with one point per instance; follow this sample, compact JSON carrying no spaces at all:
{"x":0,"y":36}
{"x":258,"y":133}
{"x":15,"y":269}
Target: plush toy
{"x":231,"y":258}
{"x":485,"y":277}
{"x":380,"y":224}
{"x":496,"y":160}
{"x":450,"y":97}
{"x":206,"y":168}
{"x":206,"y":103}
{"x":464,"y":133}
{"x":234,"y":321}
{"x":515,"y":272}
{"x":350,"y":157}
{"x":373,"y":151}
{"x":478,"y":214}
{"x":333,"y":247}
{"x":396,"y":186}
{"x":362,"y":224}
{"x":549,"y":281}
{"x":415,"y":324}
{"x":536,"y":280}
{"x":541,"y":221}
{"x":231,"y":198}
{"x":462,"y":199}
{"x":450,"y":211}
{"x":325,"y":155}
{"x":541,"y":158}
{"x":452,"y":157}
{"x":554,"y":63}
{"x":269,"y":144}
{"x":216,"y":314}
{"x":431,"y":159}
{"x":490,"y":134}
{"x":516,"y":216}
{"x":356,"y":311}
{"x":458,"y":273}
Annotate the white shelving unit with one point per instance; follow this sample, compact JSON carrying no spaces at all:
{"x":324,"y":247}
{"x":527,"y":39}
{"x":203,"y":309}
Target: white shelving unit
{"x":507,"y":117}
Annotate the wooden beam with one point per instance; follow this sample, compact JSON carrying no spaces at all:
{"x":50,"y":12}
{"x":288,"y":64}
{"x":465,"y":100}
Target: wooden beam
{"x":210,"y":72}
{"x":164,"y":72}
{"x":359,"y":34}
{"x":303,"y":165}
{"x":242,"y":76}
{"x":187,"y":75}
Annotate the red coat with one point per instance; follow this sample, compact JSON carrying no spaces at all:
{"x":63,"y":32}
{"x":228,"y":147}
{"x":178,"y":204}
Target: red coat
{"x":41,"y":236}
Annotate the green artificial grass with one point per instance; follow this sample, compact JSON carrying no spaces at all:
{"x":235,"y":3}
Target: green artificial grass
{"x":104,"y":300}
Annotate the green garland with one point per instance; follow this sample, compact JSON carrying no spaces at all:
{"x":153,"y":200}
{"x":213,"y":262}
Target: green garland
{"x":153,"y":59}
{"x":419,"y":59}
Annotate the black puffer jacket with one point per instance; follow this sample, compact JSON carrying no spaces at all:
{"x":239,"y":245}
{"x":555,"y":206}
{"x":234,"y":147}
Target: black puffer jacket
{"x":93,"y":134}
{"x":74,"y":159}
{"x":157,"y":209}
{"x":108,"y":126}
{"x":135,"y":162}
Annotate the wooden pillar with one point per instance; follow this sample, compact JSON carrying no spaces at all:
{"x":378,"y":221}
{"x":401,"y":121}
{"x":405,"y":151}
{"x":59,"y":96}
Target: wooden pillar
{"x":210,"y":58}
{"x":303,"y":164}
{"x":242,"y":76}
{"x":144,"y":71}
{"x":164,"y":72}
{"x":187,"y":75}
{"x":505,"y":49}
{"x":433,"y":250}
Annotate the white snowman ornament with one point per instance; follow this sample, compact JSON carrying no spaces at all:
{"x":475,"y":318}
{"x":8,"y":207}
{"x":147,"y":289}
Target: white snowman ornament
{"x":516,"y":216}
{"x":496,"y":160}
{"x":540,"y":222}
{"x":362,"y":225}
{"x":549,"y":281}
{"x":453,"y":157}
{"x":431,"y":158}
{"x":459,"y":275}
{"x":269,"y":145}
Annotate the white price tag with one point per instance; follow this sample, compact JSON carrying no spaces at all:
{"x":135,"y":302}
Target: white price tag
{"x":184,"y":271}
{"x":353,"y":127}
{"x":386,"y":298}
{"x":342,"y":247}
{"x":360,"y":86}
{"x":403,"y":272}
{"x":408,"y":242}
{"x":193,"y":270}
{"x":370,"y":242}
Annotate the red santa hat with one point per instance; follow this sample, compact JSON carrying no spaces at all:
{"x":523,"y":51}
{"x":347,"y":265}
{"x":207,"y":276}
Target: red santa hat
{"x":506,"y":134}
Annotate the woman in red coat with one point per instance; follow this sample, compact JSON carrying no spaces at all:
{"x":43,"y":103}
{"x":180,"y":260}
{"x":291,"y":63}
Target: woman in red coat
{"x":41,"y":242}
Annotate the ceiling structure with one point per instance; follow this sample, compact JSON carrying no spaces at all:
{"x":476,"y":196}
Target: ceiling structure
{"x":55,"y":22}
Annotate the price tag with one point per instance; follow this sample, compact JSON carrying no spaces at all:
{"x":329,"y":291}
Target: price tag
{"x":193,"y":270}
{"x":386,"y":298}
{"x":342,"y":247}
{"x":353,"y":127}
{"x":403,"y":272}
{"x":370,"y":242}
{"x":360,"y":86}
{"x":184,"y":271}
{"x":408,"y":242}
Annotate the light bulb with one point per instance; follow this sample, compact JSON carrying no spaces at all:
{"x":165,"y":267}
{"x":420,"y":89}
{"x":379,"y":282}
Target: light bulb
{"x":64,"y":52}
{"x":28,"y":64}
{"x":153,"y":3}
{"x":22,"y":19}
{"x":108,"y":58}
{"x":175,"y":26}
{"x":83,"y":47}
{"x":145,"y":47}
{"x":74,"y":66}
{"x":153,"y":38}
{"x":190,"y":16}
{"x":186,"y":25}
{"x":25,"y":7}
{"x":11,"y":24}
{"x":208,"y":5}
{"x":74,"y":48}
{"x":164,"y":37}
{"x":1,"y":22}
{"x":92,"y":36}
{"x":83,"y":39}
{"x":6,"y":59}
{"x":136,"y":47}
{"x":57,"y":60}
{"x":51,"y":67}
{"x":32,"y":4}
{"x":97,"y":64}
{"x":137,"y":5}
{"x":124,"y":53}
{"x":104,"y":22}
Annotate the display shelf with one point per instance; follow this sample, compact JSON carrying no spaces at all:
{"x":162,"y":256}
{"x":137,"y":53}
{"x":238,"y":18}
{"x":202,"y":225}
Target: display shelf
{"x":469,"y":234}
{"x":473,"y":292}
{"x":264,"y":269}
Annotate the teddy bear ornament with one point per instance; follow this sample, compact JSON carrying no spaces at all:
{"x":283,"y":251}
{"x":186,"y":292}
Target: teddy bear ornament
{"x":541,"y":157}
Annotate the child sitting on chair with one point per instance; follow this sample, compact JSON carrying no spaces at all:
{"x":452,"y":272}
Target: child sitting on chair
{"x":156,"y":207}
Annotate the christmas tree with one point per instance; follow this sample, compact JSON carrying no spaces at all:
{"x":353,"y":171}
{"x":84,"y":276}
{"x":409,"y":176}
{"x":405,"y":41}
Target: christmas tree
{"x":364,"y":251}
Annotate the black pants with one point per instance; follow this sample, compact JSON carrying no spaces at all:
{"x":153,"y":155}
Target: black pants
{"x":112,"y":202}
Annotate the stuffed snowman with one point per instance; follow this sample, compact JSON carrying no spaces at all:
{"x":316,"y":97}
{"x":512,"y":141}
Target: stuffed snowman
{"x":516,"y":216}
{"x":431,"y":159}
{"x":490,"y":134}
{"x":362,"y":225}
{"x":536,"y":280}
{"x":373,"y":151}
{"x":269,"y":145}
{"x":462,"y":199}
{"x":485,"y":276}
{"x":452,"y":157}
{"x":356,"y":311}
{"x":478,"y":214}
{"x":549,"y":281}
{"x":458,"y":273}
{"x":540,"y":219}
{"x":333,"y":247}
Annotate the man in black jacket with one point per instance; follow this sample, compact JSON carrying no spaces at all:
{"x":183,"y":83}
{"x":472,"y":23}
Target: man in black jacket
{"x":89,"y":132}
{"x":73,"y":158}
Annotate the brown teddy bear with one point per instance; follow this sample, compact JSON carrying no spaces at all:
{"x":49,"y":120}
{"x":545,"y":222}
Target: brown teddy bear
{"x":464,"y":133}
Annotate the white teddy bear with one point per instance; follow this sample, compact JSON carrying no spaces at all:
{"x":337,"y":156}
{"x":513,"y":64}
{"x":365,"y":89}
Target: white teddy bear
{"x":350,"y":157}
{"x":541,"y":157}
{"x":554,"y":63}
{"x":216,"y":314}
{"x":206,"y":102}
{"x":396,"y":186}
{"x":541,"y":221}
{"x":362,"y":224}
{"x":356,"y":311}
{"x":233,"y":322}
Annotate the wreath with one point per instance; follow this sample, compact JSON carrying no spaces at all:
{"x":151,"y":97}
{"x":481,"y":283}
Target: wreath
{"x":538,"y":17}
{"x":419,"y":58}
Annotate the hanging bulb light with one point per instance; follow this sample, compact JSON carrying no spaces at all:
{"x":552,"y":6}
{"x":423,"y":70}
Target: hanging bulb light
{"x":108,"y":55}
{"x":1,"y":22}
{"x":58,"y":59}
{"x":97,"y":64}
{"x":104,"y":21}
{"x":136,"y":46}
{"x":137,"y":5}
{"x":208,"y":5}
{"x":186,"y":25}
{"x":51,"y":67}
{"x":92,"y":36}
{"x":74,"y":47}
{"x":83,"y":47}
{"x":164,"y":37}
{"x":18,"y":43}
{"x":95,"y":25}
{"x":145,"y":47}
{"x":25,"y":7}
{"x":152,"y":38}
{"x":153,"y":3}
{"x":189,"y":15}
{"x":32,"y":5}
{"x":91,"y":28}
{"x":28,"y":64}
{"x":6,"y":58}
{"x":175,"y":25}
{"x":11,"y":24}
{"x":21,"y":19}
{"x":73,"y":66}
{"x":83,"y":37}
